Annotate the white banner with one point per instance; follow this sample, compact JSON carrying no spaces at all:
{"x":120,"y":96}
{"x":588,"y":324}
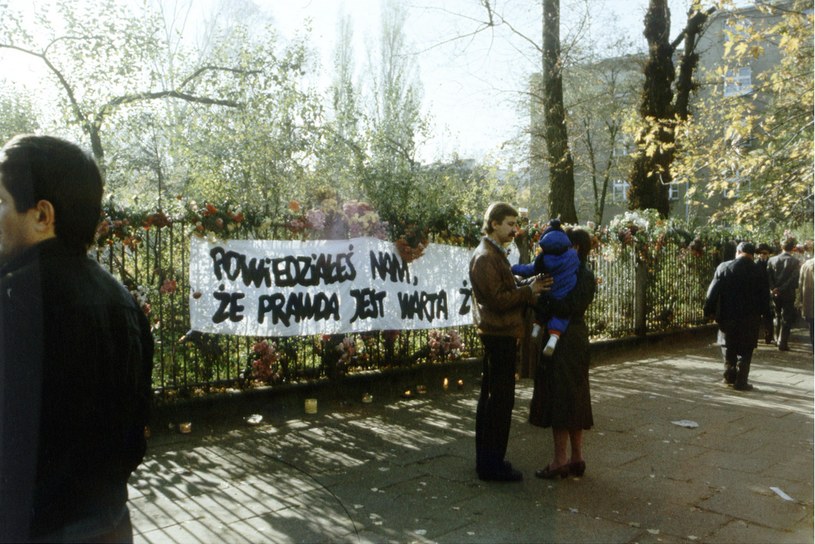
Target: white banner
{"x":291,"y":288}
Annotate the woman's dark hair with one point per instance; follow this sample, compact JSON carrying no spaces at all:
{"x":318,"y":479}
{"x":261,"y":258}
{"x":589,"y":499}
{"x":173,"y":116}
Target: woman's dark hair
{"x":34,"y":168}
{"x":582,"y":239}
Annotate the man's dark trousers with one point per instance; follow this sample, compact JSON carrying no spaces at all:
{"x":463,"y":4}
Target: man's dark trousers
{"x":737,"y":356}
{"x":785,"y":317}
{"x":494,"y":413}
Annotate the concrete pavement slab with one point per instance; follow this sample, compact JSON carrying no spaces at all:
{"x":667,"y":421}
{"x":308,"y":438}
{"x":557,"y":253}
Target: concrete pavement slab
{"x":402,"y":470}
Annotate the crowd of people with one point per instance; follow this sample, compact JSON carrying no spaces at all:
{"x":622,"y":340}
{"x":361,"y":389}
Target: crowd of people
{"x":743,"y":295}
{"x":746,"y":294}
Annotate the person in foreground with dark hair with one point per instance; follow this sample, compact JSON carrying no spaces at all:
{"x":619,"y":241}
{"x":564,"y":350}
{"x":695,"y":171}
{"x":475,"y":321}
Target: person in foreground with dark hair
{"x":561,"y":398}
{"x":498,"y":304}
{"x":75,"y":355}
{"x":737,"y":298}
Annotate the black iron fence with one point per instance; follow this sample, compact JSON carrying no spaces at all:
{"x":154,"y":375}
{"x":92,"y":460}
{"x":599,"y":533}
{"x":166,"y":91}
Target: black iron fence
{"x":637,"y":293}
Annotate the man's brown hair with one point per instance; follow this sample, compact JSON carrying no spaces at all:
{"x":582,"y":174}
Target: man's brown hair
{"x":497,"y":211}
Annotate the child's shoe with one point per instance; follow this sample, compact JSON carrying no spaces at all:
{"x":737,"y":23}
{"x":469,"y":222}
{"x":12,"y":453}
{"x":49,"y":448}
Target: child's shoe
{"x":549,"y":349}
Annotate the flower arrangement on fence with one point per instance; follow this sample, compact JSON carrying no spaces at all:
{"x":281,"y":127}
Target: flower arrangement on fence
{"x":444,"y":345}
{"x":350,"y":348}
{"x":210,"y":218}
{"x":363,"y":220}
{"x":412,"y":243}
{"x":141,"y":296}
{"x":264,"y":362}
{"x":632,"y":227}
{"x":530,"y":230}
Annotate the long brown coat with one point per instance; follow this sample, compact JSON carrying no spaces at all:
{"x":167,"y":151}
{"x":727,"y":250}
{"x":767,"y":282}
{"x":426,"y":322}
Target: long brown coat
{"x":561,"y":398}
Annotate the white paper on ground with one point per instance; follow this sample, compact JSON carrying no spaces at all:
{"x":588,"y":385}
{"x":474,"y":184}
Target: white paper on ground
{"x":686,"y":423}
{"x":781,"y":494}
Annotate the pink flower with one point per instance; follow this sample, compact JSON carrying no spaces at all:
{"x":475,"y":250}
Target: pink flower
{"x":168,"y":287}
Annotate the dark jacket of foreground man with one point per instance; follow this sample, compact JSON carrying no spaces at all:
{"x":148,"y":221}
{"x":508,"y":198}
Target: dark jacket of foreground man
{"x":77,"y":360}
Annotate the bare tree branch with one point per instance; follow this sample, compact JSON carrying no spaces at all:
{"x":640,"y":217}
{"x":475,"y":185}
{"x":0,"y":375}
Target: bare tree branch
{"x":78,"y":113}
{"x":213,"y":68}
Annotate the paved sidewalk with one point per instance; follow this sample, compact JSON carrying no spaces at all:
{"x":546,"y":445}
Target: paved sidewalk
{"x":674,"y":457}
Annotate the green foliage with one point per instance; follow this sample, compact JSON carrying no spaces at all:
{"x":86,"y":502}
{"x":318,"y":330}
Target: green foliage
{"x":766,"y":155}
{"x":17,"y":114}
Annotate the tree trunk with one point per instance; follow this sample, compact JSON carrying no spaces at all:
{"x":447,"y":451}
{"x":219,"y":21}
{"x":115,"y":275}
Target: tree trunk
{"x":559,"y":157}
{"x":650,"y":172}
{"x":690,"y":59}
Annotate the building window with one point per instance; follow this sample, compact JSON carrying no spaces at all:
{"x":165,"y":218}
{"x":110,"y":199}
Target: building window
{"x":673,"y":191}
{"x":619,"y":190}
{"x":731,"y":189}
{"x":622,"y":148}
{"x":738,"y":82}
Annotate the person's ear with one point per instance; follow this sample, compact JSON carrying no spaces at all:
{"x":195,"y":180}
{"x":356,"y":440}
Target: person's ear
{"x":44,"y":216}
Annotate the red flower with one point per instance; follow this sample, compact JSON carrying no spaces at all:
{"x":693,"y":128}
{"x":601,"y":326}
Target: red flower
{"x":168,"y":287}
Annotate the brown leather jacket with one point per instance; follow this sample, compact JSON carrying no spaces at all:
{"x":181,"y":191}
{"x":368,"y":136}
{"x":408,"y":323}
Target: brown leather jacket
{"x":498,"y":301}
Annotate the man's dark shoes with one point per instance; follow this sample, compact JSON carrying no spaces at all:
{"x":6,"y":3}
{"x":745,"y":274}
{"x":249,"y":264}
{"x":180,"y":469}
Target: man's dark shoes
{"x":505,"y":473}
{"x":783,"y":347}
{"x":743,"y":387}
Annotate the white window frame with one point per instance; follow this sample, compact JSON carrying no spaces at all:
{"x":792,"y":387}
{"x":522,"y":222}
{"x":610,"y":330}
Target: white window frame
{"x":622,"y":148}
{"x":619,"y":190}
{"x":732,"y":187}
{"x":673,"y":191}
{"x":738,"y":82}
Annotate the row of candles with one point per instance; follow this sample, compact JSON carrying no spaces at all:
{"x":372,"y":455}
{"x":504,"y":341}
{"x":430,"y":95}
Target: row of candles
{"x":310,"y":406}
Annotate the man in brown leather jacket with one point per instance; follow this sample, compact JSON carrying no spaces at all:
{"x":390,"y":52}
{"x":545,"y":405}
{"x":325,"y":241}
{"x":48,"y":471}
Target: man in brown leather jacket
{"x":498,"y":307}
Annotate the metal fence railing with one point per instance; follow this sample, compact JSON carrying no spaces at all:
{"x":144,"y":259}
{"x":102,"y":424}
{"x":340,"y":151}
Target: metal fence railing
{"x":633,"y":297}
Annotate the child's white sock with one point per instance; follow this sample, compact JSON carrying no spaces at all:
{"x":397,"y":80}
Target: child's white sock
{"x":536,"y":330}
{"x":549,"y":349}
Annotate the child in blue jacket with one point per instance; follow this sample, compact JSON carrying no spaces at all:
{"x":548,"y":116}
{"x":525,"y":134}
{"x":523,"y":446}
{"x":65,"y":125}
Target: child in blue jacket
{"x":558,"y":259}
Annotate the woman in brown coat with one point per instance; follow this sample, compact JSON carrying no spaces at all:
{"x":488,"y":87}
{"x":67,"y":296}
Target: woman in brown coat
{"x":561,"y":398}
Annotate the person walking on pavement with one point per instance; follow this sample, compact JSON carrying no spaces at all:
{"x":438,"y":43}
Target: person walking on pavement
{"x":561,"y":397}
{"x":498,"y":305}
{"x":737,"y":298}
{"x":763,"y":252}
{"x":782,"y":272}
{"x":76,"y":355}
{"x":804,"y":299}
